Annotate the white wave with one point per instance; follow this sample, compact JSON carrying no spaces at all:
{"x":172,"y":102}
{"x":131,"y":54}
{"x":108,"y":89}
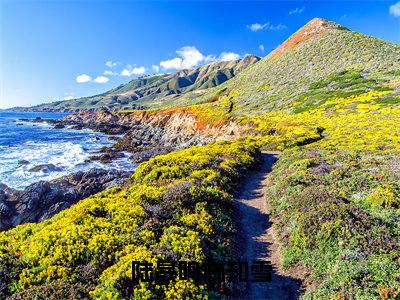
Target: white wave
{"x":69,"y":157}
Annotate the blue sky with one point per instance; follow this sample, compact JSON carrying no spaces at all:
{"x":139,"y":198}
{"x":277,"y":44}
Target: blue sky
{"x":51,"y":50}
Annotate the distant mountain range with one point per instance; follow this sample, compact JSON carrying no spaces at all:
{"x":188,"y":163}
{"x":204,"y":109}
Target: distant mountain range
{"x":155,"y":88}
{"x":321,"y":60}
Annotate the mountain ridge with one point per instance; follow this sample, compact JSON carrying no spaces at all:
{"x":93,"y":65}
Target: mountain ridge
{"x":155,"y":87}
{"x":322,"y":59}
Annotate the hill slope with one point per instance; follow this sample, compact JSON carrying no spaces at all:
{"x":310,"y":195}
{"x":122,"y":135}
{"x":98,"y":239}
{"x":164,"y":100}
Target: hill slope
{"x":156,"y":88}
{"x":319,"y":61}
{"x":333,"y":196}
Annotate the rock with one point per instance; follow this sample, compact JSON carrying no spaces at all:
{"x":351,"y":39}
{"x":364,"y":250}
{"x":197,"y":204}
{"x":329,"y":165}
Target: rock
{"x":2,"y":195}
{"x":23,"y":162}
{"x":41,"y":200}
{"x":108,"y":156}
{"x":77,"y":127}
{"x":105,"y":158}
{"x":46,"y":168}
{"x":59,"y":126}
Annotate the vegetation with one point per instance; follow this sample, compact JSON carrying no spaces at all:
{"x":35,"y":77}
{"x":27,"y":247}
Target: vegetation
{"x":329,"y":102}
{"x":324,"y":62}
{"x":175,"y":206}
{"x":336,"y":198}
{"x":337,"y":213}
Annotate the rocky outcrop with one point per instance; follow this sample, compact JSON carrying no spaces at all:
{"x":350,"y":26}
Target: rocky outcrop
{"x":41,"y":200}
{"x":46,"y":168}
{"x":145,"y":135}
{"x":149,"y":134}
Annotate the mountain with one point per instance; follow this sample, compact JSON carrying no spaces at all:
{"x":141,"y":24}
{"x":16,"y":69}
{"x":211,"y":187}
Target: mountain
{"x":321,"y":60}
{"x":328,"y":99}
{"x":156,"y":88}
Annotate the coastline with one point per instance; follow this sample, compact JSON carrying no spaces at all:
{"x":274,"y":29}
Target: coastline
{"x":43,"y":198}
{"x":143,"y":137}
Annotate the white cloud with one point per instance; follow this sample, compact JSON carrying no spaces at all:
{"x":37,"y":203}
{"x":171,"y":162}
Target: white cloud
{"x":295,"y":11}
{"x":188,"y":57}
{"x":110,"y":73}
{"x":256,"y":26}
{"x":210,"y":58}
{"x":101,"y":79}
{"x":261,"y":47}
{"x":175,"y":63}
{"x":395,"y":9}
{"x":125,"y":72}
{"x":83,"y":78}
{"x":111,"y":63}
{"x":155,"y":68}
{"x":228,"y":56}
{"x":68,"y":96}
{"x":130,"y":71}
{"x":266,"y":26}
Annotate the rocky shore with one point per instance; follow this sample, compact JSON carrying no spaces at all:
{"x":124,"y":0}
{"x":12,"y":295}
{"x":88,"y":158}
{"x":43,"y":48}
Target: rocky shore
{"x":146,"y":135}
{"x":41,"y":200}
{"x":150,"y":134}
{"x":142,"y":135}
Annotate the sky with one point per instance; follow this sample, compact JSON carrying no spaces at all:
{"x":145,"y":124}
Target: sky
{"x":55,"y":50}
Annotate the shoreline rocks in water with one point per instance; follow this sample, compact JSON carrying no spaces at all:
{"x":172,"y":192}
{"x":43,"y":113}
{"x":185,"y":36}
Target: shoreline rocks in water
{"x":41,"y":200}
{"x":147,"y":135}
{"x":46,"y":168}
{"x":144,"y":136}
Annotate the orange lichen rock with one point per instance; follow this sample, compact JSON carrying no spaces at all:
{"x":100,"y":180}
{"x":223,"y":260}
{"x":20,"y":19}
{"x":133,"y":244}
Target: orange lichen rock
{"x":316,"y":27}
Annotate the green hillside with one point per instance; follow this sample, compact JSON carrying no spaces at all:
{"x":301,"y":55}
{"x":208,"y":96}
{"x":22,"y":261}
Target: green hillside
{"x":153,"y":90}
{"x":319,"y":61}
{"x":328,"y":99}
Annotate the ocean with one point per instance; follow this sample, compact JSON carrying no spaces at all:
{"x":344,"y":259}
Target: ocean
{"x":24,"y":145}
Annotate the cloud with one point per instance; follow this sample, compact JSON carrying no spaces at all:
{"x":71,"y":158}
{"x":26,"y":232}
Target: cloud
{"x":111,"y":63}
{"x":228,"y":56}
{"x":83,"y":78}
{"x":395,"y":9}
{"x":101,"y":79}
{"x":210,"y":58}
{"x":297,"y":11}
{"x":155,"y":68}
{"x":68,"y":96}
{"x":175,"y":63}
{"x":256,"y":26}
{"x":266,"y":26}
{"x":86,"y":78}
{"x":261,"y":47}
{"x":110,"y":73}
{"x":188,"y":57}
{"x":130,"y":71}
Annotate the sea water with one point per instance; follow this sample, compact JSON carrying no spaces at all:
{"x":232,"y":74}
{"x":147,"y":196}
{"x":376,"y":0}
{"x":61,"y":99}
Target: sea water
{"x":39,"y":143}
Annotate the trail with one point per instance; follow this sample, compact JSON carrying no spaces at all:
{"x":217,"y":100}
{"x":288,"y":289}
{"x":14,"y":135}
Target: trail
{"x":256,"y":237}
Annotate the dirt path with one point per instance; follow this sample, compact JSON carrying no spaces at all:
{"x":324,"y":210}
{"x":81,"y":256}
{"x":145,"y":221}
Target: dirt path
{"x":256,"y":239}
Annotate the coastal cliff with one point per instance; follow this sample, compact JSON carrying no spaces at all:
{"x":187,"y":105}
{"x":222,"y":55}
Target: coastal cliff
{"x":147,"y":134}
